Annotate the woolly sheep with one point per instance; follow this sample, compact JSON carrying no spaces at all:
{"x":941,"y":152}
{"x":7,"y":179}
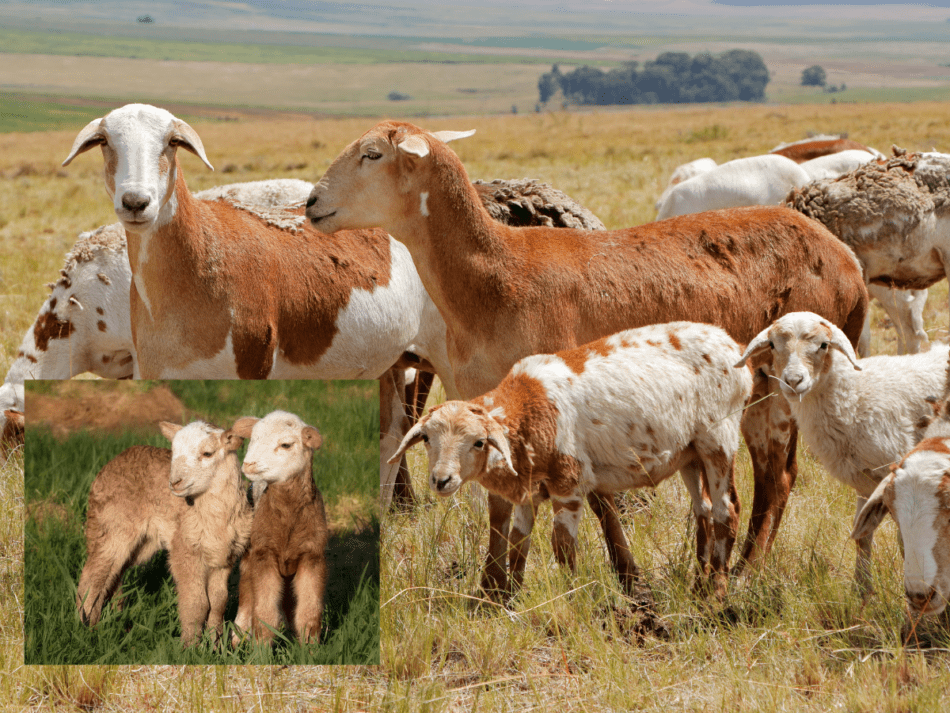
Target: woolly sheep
{"x":188,"y":500}
{"x":858,"y":417}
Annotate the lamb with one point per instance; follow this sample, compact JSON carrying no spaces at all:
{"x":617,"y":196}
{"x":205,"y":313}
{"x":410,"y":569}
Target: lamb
{"x":625,"y":411}
{"x":858,"y":417}
{"x":894,"y":215}
{"x":811,"y":148}
{"x":284,"y":567}
{"x":188,"y":500}
{"x":915,"y":495}
{"x":757,"y":180}
{"x":507,"y":293}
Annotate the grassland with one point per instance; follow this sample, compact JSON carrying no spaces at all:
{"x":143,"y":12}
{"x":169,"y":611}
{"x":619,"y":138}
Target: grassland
{"x":792,"y":637}
{"x":60,"y":470}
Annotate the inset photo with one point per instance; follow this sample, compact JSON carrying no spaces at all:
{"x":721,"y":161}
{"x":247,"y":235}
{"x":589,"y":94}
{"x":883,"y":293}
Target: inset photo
{"x":201,"y":522}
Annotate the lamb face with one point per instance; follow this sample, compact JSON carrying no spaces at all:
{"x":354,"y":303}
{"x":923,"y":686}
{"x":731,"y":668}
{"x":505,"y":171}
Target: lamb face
{"x":281,"y":446}
{"x":139,"y":145}
{"x":197,"y":451}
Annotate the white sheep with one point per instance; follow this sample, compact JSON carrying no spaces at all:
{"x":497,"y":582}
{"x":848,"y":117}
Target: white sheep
{"x":684,"y":172}
{"x":757,"y":180}
{"x":188,"y":500}
{"x":915,"y":495}
{"x":284,"y":567}
{"x":506,"y":293}
{"x":857,"y":417}
{"x":836,"y":164}
{"x":625,"y":411}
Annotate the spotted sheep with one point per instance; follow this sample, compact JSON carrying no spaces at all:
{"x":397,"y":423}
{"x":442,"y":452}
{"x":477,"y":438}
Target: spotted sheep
{"x":857,"y":416}
{"x":189,"y":501}
{"x":284,"y":568}
{"x":625,"y":411}
{"x":506,"y":293}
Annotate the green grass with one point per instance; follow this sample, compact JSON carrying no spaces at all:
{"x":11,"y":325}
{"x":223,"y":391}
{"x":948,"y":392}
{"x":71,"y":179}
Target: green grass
{"x":58,"y":474}
{"x":20,"y":112}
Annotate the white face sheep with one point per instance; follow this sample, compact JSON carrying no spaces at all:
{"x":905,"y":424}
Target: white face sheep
{"x":858,"y":417}
{"x":917,"y":495}
{"x":284,"y":568}
{"x":626,"y":411}
{"x":189,"y":501}
{"x":507,"y":292}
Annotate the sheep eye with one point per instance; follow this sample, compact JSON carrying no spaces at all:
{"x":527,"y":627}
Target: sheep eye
{"x":771,"y":345}
{"x":207,"y":454}
{"x":286,"y":446}
{"x":373,"y":155}
{"x":479,"y":444}
{"x":824,"y":345}
{"x":425,"y":438}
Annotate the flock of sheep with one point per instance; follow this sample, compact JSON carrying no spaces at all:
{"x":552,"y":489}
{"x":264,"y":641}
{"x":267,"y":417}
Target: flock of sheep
{"x":578,"y":362}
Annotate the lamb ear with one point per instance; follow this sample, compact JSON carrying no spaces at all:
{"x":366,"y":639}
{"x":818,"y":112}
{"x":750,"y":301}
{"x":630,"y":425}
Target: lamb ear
{"x":447,"y":136}
{"x":92,"y":135}
{"x":760,"y":341}
{"x":311,"y":437}
{"x":187,"y":138}
{"x":499,"y":455}
{"x":874,"y":510}
{"x":169,"y":429}
{"x":243,"y":426}
{"x":414,"y":144}
{"x":231,"y":441}
{"x":412,"y":438}
{"x":840,"y":342}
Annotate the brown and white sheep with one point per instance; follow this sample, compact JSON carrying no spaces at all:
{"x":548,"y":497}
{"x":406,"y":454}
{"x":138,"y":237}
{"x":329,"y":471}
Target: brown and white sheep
{"x":626,"y":411}
{"x":284,"y":568}
{"x":188,"y":500}
{"x":506,"y":293}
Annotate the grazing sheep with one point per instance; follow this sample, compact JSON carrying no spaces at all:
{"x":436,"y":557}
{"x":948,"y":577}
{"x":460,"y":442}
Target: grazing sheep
{"x":188,"y":500}
{"x":894,"y":215}
{"x":506,"y":293}
{"x":757,"y":180}
{"x":858,"y":417}
{"x":284,"y":566}
{"x":626,"y":411}
{"x":915,"y":495}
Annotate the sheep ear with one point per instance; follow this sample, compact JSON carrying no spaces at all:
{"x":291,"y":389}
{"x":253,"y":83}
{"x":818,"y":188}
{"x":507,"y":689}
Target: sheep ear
{"x":873,"y":511}
{"x":311,"y":437}
{"x":231,"y":441}
{"x":169,"y":429}
{"x":409,"y":440}
{"x":92,"y":135}
{"x":414,"y":144}
{"x":242,"y":427}
{"x":187,"y":138}
{"x":759,"y":342}
{"x":447,"y":136}
{"x":16,"y":417}
{"x":840,"y":342}
{"x":499,"y":455}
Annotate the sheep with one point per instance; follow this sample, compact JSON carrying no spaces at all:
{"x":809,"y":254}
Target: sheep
{"x":507,"y":293}
{"x":836,"y":164}
{"x":684,"y":172}
{"x":811,"y":148}
{"x":757,"y":180}
{"x":625,"y":411}
{"x":284,"y":566}
{"x":188,"y":500}
{"x":857,"y":417}
{"x":893,"y":214}
{"x":915,"y":495}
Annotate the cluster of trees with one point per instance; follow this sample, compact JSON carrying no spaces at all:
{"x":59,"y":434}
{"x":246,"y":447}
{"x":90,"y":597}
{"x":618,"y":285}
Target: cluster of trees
{"x":672,"y":78}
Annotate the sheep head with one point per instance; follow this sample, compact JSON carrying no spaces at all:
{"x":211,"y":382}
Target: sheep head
{"x":800,"y":344}
{"x":380,"y":180}
{"x":464,"y":443}
{"x":139,"y":146}
{"x":197,"y":451}
{"x":281,"y":446}
{"x":917,"y":496}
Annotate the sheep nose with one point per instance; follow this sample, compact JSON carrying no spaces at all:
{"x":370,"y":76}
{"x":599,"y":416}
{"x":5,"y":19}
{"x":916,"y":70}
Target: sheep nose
{"x":135,"y":201}
{"x":311,"y":201}
{"x":794,"y":378}
{"x":441,"y":484}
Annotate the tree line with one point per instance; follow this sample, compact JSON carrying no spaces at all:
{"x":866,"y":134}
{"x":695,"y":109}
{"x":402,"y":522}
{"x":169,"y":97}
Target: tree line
{"x":672,"y":78}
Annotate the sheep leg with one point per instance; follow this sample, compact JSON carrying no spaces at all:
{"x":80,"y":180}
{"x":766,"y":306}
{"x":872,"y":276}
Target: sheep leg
{"x":719,"y":466}
{"x":519,"y":541}
{"x":100,"y":578}
{"x":217,"y":599}
{"x":905,"y":310}
{"x":308,"y":587}
{"x":692,"y":476}
{"x":268,"y":593}
{"x":604,"y":506}
{"x":771,"y":435}
{"x":567,"y":518}
{"x":245,"y":612}
{"x":191,"y":581}
{"x":862,"y":563}
{"x":494,"y":577}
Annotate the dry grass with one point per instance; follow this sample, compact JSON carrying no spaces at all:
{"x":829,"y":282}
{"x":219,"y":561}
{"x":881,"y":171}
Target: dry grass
{"x":793,"y":637}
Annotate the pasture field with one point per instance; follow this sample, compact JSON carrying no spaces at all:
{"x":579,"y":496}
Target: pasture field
{"x":791,"y":637}
{"x":60,"y":468}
